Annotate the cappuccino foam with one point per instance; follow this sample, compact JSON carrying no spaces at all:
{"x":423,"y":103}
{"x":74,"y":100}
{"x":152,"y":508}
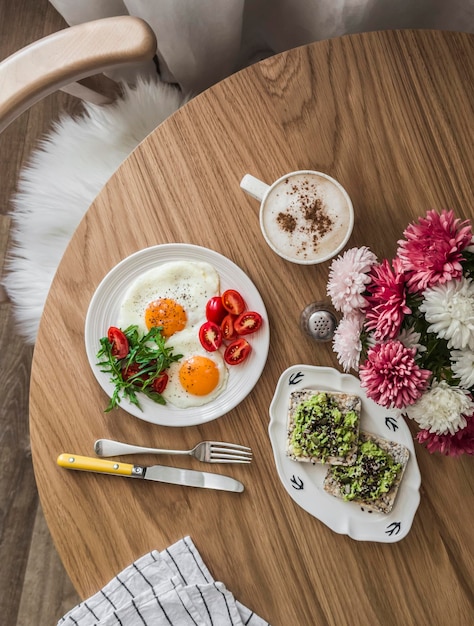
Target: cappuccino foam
{"x":306,"y":217}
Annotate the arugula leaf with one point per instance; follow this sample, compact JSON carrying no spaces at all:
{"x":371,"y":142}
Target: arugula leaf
{"x":148,"y":357}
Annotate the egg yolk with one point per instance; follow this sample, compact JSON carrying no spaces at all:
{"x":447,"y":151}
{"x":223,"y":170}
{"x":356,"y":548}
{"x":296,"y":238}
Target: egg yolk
{"x":199,"y":375}
{"x":166,"y":313}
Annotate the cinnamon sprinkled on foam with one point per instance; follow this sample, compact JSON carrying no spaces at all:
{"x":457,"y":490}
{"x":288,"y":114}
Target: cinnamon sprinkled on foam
{"x":317,"y":222}
{"x":286,"y":222}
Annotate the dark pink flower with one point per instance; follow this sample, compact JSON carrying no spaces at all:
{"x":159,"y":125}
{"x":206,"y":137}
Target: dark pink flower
{"x":391,"y":377}
{"x":431,"y":251}
{"x":462,"y":442}
{"x":387,"y":300}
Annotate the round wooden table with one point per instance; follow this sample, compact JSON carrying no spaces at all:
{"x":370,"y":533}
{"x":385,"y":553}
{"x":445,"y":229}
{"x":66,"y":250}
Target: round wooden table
{"x":389,"y":115}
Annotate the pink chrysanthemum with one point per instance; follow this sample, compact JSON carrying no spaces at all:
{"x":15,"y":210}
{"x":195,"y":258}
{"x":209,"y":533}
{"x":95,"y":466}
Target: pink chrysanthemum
{"x":346,"y":342}
{"x":391,"y":377}
{"x":348,"y":276}
{"x":431,"y":251}
{"x":387,"y":300}
{"x":462,"y":442}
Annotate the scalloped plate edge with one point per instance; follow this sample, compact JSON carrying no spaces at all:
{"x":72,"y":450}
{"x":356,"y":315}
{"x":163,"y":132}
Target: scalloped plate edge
{"x":341,"y":517}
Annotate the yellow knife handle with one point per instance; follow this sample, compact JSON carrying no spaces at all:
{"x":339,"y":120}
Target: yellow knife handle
{"x":91,"y":464}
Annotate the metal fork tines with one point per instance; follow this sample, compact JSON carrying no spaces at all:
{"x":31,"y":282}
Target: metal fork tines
{"x":220,"y":452}
{"x":206,"y":451}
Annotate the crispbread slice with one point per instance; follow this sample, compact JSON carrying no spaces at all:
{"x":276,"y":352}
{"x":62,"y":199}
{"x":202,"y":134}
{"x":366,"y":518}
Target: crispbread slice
{"x":345,"y":402}
{"x":384,"y":503}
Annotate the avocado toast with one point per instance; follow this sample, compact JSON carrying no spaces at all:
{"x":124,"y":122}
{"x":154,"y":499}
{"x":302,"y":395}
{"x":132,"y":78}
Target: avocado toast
{"x":373,"y":480}
{"x":323,"y":426}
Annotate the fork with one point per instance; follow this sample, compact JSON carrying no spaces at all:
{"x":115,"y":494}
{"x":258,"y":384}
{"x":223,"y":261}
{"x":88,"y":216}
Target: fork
{"x":206,"y":451}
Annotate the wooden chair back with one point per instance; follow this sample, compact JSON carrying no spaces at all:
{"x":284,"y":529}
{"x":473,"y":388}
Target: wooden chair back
{"x":59,"y":60}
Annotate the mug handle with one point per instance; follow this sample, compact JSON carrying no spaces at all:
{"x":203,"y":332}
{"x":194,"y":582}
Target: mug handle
{"x":254,"y":187}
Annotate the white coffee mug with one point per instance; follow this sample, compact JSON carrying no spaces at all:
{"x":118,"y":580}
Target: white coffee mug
{"x":306,"y":216}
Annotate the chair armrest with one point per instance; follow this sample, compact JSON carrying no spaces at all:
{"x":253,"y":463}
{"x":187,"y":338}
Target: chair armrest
{"x":70,"y":55}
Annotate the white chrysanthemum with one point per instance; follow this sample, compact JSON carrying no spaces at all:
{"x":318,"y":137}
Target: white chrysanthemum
{"x":411,"y":339}
{"x":449,"y":309}
{"x":471,"y":247}
{"x":463,"y":366}
{"x":442,"y":409}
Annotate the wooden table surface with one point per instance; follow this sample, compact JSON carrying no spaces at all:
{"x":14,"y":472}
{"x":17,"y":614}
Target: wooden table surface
{"x":389,"y":115}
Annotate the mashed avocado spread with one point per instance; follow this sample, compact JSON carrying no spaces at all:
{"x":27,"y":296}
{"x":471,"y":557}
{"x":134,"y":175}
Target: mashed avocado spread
{"x":321,"y":430}
{"x":372,"y":475}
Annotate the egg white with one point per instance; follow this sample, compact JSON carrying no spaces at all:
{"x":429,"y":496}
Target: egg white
{"x":189,"y":283}
{"x":187,"y":343}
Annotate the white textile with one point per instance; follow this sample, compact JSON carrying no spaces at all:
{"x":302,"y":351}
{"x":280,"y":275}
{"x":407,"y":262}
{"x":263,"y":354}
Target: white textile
{"x":202,"y":41}
{"x":172,"y":587}
{"x":61,"y":180}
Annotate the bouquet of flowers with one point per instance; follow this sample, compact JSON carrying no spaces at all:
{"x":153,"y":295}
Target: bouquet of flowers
{"x":407,"y":328}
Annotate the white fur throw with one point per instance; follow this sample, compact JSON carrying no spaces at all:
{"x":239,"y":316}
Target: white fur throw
{"x":60,"y":181}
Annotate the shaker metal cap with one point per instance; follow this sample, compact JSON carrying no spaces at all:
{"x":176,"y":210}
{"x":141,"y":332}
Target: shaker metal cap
{"x":318,"y":321}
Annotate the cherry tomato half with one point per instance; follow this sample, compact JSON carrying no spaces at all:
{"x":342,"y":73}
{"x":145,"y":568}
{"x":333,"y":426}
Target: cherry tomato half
{"x":233,"y":302}
{"x":160,"y":382}
{"x":215,"y":311}
{"x":210,"y":336}
{"x":119,"y":342}
{"x":133,"y":370}
{"x":247,"y":323}
{"x":237,"y":351}
{"x":227,"y":327}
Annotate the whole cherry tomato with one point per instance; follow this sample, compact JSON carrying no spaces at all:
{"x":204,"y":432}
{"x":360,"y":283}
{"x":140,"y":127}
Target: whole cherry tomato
{"x":215,"y":311}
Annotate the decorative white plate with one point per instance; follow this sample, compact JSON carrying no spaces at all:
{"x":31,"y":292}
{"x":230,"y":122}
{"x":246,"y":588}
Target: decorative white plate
{"x":103,"y":312}
{"x":304,"y":481}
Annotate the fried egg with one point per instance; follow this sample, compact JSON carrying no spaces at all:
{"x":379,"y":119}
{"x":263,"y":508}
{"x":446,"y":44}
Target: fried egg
{"x":198,"y":377}
{"x":172,"y":295}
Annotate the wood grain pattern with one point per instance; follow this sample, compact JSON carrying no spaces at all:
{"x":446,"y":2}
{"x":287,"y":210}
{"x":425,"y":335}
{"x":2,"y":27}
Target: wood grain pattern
{"x":390,"y":115}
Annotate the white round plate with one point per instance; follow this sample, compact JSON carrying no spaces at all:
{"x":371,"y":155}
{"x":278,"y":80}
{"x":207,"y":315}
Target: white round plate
{"x":103,"y":312}
{"x":304,"y":481}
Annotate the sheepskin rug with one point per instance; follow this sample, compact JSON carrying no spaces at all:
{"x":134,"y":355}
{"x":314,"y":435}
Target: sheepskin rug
{"x":61,"y":179}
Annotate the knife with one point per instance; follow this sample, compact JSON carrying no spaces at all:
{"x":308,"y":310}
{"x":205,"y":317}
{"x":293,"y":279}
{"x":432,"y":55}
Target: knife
{"x":160,"y":473}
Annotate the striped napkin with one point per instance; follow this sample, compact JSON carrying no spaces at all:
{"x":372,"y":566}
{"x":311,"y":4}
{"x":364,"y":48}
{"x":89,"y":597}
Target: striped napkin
{"x":172,"y":587}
